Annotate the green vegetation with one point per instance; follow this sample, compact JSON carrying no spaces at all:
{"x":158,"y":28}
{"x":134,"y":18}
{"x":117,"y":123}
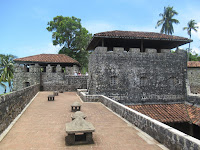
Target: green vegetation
{"x":69,"y":33}
{"x":6,"y":70}
{"x":191,"y":26}
{"x":194,"y":57}
{"x":167,"y":20}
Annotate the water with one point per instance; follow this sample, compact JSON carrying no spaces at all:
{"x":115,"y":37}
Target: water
{"x":2,"y":89}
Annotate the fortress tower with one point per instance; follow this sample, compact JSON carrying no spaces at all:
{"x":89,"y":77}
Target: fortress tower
{"x":138,"y":67}
{"x":52,"y":71}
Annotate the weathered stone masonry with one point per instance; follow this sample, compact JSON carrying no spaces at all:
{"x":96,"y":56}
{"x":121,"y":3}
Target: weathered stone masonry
{"x":13,"y":103}
{"x":138,"y":77}
{"x":50,"y":80}
{"x":170,"y":137}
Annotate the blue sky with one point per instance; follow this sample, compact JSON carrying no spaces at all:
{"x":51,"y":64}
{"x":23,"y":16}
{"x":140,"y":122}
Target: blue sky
{"x":23,"y":22}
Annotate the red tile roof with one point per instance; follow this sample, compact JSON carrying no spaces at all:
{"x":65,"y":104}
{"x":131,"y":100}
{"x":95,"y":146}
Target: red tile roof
{"x":192,"y":64}
{"x":170,"y":112}
{"x":48,"y":58}
{"x":140,"y":35}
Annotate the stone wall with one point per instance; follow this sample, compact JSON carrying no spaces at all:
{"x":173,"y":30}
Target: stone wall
{"x":61,"y":81}
{"x":138,"y":77}
{"x":194,"y":99}
{"x":24,"y":75}
{"x":51,"y":78}
{"x":13,"y":103}
{"x":194,"y":79}
{"x":170,"y":137}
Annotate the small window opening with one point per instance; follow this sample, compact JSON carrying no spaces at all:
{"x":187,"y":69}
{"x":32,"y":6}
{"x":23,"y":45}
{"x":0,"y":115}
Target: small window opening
{"x":43,"y":69}
{"x":26,"y":68}
{"x":113,"y":80}
{"x":27,"y":84}
{"x":143,"y":81}
{"x":54,"y":69}
{"x":63,"y":69}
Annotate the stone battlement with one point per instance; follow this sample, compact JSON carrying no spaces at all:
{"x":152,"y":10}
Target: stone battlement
{"x":134,"y":50}
{"x":35,"y":68}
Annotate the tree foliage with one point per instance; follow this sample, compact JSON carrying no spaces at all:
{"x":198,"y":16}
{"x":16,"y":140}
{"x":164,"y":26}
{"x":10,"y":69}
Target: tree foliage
{"x":6,"y":70}
{"x":191,"y":26}
{"x":167,"y":20}
{"x":194,"y":57}
{"x":69,"y":33}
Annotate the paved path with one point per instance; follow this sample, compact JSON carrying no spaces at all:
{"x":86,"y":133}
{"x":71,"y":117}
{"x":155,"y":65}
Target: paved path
{"x":42,"y":127}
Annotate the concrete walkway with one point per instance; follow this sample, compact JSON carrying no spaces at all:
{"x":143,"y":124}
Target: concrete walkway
{"x":42,"y":127}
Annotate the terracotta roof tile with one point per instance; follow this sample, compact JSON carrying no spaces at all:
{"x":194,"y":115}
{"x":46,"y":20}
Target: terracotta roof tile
{"x":192,"y":64}
{"x":140,"y":35}
{"x":48,"y":58}
{"x":170,"y":112}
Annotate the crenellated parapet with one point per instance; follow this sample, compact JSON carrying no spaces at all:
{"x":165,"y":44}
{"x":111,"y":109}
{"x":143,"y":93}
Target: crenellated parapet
{"x":134,"y":50}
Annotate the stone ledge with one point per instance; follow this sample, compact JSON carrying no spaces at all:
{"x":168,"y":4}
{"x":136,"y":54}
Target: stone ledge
{"x":170,"y":137}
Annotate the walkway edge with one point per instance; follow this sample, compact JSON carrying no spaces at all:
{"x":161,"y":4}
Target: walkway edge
{"x":5,"y":132}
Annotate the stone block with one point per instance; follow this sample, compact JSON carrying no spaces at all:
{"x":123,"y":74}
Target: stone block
{"x":101,"y":49}
{"x":165,"y":50}
{"x":150,"y":50}
{"x":118,"y":49}
{"x":134,"y":50}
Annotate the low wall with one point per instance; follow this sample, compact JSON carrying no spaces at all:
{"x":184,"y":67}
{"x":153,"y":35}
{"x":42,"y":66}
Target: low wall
{"x":194,"y":99}
{"x":166,"y":135}
{"x":12,"y":104}
{"x":65,"y":83}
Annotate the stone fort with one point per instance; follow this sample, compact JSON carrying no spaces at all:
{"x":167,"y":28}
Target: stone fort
{"x":134,"y":74}
{"x":138,"y":67}
{"x":51,"y":71}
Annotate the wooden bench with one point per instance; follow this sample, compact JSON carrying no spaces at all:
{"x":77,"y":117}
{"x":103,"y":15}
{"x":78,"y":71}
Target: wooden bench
{"x":76,"y":106}
{"x":79,"y":132}
{"x":51,"y":98}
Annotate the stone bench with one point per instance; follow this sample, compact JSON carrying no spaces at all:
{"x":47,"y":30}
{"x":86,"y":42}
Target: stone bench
{"x":76,"y":106}
{"x":55,"y":93}
{"x":51,"y":98}
{"x":79,"y":132}
{"x":78,"y":114}
{"x":61,"y":91}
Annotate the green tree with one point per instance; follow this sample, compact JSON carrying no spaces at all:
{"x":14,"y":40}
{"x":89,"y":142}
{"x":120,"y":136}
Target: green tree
{"x":69,"y":33}
{"x":7,"y":69}
{"x":167,"y":20}
{"x":191,"y":26}
{"x":194,"y":57}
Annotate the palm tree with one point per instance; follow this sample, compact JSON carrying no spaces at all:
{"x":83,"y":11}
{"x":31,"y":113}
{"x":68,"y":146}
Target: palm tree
{"x":191,"y":26}
{"x":167,"y":20}
{"x":7,"y":69}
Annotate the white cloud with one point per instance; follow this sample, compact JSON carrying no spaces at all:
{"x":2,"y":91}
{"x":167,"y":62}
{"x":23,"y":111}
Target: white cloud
{"x":196,"y":50}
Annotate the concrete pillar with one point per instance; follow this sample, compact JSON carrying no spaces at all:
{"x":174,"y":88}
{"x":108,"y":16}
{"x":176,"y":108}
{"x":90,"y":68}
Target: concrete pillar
{"x":49,"y":68}
{"x":58,"y":69}
{"x":37,"y":68}
{"x":118,"y":49}
{"x":67,"y":70}
{"x":101,"y":49}
{"x":134,"y":50}
{"x":150,"y":50}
